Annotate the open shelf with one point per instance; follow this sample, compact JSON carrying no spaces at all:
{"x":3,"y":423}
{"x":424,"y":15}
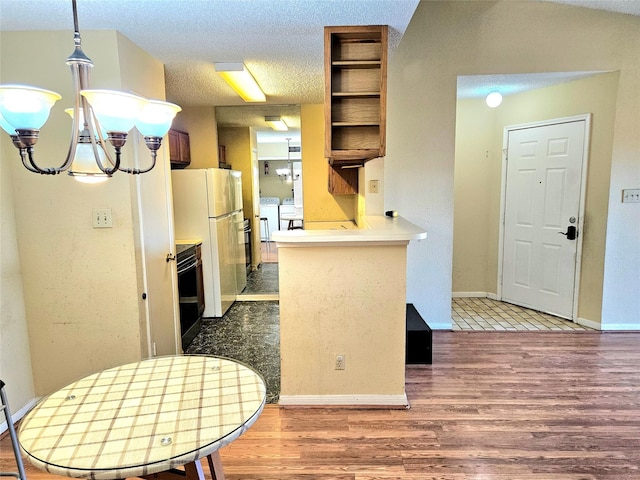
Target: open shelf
{"x":355,"y":93}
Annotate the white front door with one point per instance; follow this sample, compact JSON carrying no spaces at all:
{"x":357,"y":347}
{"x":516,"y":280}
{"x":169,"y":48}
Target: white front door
{"x":544,"y":172}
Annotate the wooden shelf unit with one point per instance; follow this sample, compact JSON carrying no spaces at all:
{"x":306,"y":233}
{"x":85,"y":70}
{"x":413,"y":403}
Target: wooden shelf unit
{"x":355,"y":92}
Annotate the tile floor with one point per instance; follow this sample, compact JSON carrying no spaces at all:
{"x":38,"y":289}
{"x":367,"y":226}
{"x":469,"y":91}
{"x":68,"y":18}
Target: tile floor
{"x":250,"y":333}
{"x":477,"y":314}
{"x":262,"y":281}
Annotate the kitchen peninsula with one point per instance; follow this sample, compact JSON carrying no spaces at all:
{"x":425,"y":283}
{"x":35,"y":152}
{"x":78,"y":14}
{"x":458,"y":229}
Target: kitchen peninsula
{"x":342,"y":313}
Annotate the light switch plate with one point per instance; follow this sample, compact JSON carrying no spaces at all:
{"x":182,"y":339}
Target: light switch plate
{"x":102,"y":218}
{"x":631,"y":195}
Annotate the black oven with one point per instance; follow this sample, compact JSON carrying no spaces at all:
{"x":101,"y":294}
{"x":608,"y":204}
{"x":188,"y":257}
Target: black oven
{"x":190,"y":290}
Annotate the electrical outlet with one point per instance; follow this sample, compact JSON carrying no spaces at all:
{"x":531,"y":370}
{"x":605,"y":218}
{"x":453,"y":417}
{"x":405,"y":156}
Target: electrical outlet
{"x":631,"y":195}
{"x":102,"y":218}
{"x":374,"y":186}
{"x":340,"y":362}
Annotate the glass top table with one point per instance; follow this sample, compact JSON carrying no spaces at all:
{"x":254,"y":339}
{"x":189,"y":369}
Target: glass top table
{"x":143,"y":418}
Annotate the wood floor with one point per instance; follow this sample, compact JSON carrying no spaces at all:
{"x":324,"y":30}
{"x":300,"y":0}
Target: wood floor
{"x":504,"y":406}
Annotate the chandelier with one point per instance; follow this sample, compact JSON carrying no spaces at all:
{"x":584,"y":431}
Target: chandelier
{"x":287,"y":174}
{"x":98,"y":116}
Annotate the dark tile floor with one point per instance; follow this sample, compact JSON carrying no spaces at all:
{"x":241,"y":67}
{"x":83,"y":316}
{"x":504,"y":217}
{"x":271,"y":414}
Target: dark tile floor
{"x":249,"y":332}
{"x":263,"y":280}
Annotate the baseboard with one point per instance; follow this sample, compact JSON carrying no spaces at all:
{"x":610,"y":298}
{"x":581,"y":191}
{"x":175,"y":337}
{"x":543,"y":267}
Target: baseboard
{"x":257,"y":297}
{"x":378,"y":401}
{"x":588,"y":323}
{"x":468,"y":294}
{"x":17,"y":416}
{"x":617,"y":327}
{"x":491,"y":296}
{"x":441,"y":325}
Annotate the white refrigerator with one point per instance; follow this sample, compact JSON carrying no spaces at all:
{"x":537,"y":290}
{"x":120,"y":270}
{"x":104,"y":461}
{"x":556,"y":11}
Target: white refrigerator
{"x":207,"y":206}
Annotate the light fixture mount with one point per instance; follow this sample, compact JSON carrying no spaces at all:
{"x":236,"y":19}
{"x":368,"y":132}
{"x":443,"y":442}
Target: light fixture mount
{"x":98,"y":116}
{"x":276,"y":123}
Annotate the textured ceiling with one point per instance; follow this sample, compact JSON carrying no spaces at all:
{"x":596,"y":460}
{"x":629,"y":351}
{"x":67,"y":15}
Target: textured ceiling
{"x":475,"y":86}
{"x":280,"y":41}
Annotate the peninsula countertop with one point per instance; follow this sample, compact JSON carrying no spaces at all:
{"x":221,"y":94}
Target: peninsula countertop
{"x":376,"y":229}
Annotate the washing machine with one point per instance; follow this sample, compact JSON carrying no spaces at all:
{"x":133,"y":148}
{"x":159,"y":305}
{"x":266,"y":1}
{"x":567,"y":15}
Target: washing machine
{"x":269,"y":209}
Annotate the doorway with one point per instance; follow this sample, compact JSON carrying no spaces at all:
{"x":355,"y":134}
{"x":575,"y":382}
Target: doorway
{"x":544,"y":172}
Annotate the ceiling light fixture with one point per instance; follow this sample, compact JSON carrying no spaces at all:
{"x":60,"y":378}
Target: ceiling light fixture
{"x":276,"y":123}
{"x":24,"y":110}
{"x":494,"y":99}
{"x":241,"y":80}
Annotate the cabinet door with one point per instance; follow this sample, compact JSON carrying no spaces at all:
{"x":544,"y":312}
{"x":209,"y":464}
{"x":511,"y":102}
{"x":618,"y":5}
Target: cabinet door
{"x":185,"y":148}
{"x":343,"y":181}
{"x":179,"y":149}
{"x":174,"y":146}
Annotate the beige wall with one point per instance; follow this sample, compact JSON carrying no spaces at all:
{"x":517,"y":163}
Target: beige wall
{"x":447,"y":39}
{"x":477,"y":163}
{"x":81,"y":285}
{"x":327,"y":309}
{"x":15,"y":355}
{"x":200,"y":123}
{"x":479,"y":136}
{"x":319,"y":204}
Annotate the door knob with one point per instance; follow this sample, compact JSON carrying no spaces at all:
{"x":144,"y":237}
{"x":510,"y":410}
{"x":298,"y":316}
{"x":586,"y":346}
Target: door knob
{"x":571,"y":233}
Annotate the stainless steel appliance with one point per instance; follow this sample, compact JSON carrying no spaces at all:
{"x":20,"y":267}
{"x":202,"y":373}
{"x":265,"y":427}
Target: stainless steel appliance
{"x":208,"y":205}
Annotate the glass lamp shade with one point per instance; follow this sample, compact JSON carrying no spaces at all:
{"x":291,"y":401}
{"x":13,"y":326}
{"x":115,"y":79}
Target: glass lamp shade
{"x":24,"y":107}
{"x":69,"y":111}
{"x":6,"y":127}
{"x":156,"y":117}
{"x":116,"y":111}
{"x":84,"y":167}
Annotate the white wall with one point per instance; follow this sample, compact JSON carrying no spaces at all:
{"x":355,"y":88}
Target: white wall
{"x":621,"y":301}
{"x":446,"y":39}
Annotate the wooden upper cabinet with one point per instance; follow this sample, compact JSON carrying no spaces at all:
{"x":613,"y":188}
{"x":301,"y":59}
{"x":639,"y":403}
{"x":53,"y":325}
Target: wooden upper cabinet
{"x":355,"y":93}
{"x":179,"y":149}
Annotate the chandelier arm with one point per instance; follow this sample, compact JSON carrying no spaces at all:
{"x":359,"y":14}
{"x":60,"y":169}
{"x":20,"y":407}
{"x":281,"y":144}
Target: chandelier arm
{"x":26,"y":161}
{"x":137,"y":171}
{"x":22,"y":149}
{"x":96,"y":138}
{"x":36,"y":168}
{"x":153,"y":144}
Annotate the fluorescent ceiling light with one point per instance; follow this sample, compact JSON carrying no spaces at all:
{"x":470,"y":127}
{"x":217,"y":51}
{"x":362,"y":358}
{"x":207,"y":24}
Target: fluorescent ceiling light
{"x":276,"y":123}
{"x":241,"y":80}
